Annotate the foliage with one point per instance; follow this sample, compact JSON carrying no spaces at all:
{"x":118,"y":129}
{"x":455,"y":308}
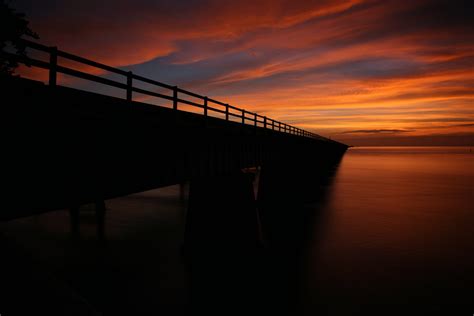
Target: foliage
{"x":13,"y":26}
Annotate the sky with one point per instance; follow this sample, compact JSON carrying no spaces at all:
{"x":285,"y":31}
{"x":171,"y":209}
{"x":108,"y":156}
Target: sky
{"x":363,"y":72}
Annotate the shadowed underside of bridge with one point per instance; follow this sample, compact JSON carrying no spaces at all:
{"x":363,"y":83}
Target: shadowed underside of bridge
{"x":64,"y":147}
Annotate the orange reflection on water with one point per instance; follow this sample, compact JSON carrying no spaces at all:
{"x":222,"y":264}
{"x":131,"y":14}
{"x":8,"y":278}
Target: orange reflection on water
{"x":398,"y":229}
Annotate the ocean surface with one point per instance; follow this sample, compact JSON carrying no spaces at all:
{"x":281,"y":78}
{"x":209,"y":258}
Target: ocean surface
{"x":393,"y":232}
{"x":397,"y":232}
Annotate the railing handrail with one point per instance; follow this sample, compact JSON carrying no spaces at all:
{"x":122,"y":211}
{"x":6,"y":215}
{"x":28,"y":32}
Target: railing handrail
{"x":53,"y":67}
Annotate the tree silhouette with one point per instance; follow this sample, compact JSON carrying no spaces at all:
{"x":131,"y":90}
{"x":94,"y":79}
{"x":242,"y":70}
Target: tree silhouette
{"x":13,"y":26}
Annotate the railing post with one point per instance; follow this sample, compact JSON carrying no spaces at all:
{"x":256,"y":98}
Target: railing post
{"x":255,"y":125}
{"x":53,"y":64}
{"x":205,"y":106}
{"x":175,"y":97}
{"x":129,"y":86}
{"x":226,"y":112}
{"x":265,"y":122}
{"x":243,"y":117}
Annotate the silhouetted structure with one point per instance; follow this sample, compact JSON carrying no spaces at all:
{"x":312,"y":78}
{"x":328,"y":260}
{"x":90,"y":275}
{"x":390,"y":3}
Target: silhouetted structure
{"x":69,"y":147}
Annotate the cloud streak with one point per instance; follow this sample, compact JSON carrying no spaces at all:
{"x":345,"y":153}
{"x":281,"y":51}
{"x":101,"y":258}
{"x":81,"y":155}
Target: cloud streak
{"x":377,"y":131}
{"x":330,"y":66}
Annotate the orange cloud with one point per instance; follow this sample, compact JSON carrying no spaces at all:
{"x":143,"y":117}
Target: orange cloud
{"x":382,"y":67}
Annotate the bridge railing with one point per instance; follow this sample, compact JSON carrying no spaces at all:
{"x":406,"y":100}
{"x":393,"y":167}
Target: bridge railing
{"x":245,"y":117}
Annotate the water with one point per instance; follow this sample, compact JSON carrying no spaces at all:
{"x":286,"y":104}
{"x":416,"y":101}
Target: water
{"x":392,"y":232}
{"x":398,"y":231}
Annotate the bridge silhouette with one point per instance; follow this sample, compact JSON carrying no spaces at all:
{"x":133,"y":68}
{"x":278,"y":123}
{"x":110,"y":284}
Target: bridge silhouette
{"x":251,"y":178}
{"x":68,"y":147}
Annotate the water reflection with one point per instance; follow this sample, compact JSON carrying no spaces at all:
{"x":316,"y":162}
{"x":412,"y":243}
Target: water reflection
{"x":386,"y":230}
{"x":399,"y":234}
{"x":231,"y":274}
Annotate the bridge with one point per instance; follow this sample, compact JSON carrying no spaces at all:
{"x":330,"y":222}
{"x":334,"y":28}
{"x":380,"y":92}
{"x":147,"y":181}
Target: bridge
{"x":65,"y":147}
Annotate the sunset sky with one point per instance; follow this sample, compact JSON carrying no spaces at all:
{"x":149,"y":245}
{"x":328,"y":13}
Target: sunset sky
{"x":362,"y":72}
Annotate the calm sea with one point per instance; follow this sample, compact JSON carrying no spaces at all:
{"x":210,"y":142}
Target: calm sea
{"x":397,"y":232}
{"x":393,"y":234}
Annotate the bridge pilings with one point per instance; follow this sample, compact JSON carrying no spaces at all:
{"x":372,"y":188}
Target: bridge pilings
{"x":75,"y":220}
{"x":222,"y":245}
{"x":221,"y":212}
